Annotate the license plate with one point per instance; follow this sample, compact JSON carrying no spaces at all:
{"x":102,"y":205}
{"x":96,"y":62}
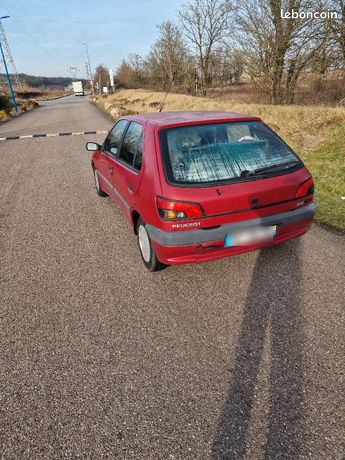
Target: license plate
{"x":249,"y":236}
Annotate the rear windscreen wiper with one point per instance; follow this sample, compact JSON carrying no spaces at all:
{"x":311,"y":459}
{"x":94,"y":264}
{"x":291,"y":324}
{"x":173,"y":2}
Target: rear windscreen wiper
{"x":269,"y":168}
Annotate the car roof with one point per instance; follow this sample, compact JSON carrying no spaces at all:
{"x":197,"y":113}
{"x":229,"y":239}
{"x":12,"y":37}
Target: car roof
{"x":178,"y":118}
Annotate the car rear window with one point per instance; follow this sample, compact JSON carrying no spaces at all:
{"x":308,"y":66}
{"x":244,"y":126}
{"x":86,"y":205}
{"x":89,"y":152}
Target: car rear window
{"x":221,"y":152}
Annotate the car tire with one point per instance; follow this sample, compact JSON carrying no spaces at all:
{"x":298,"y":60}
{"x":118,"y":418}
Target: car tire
{"x":146,"y":249}
{"x":97,"y":184}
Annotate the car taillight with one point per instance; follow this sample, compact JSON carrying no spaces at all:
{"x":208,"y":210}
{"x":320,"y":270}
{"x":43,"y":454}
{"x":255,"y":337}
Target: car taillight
{"x":306,"y":188}
{"x":176,"y":210}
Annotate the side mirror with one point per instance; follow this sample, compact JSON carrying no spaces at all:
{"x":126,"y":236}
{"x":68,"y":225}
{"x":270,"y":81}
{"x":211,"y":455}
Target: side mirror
{"x":92,"y":146}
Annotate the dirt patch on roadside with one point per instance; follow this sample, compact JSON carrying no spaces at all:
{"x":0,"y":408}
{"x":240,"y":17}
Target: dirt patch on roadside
{"x":311,"y":142}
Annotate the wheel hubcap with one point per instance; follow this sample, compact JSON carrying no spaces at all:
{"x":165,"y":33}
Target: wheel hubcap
{"x":144,"y":243}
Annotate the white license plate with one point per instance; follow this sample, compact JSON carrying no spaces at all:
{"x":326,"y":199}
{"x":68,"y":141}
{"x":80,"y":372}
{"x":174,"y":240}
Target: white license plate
{"x":249,"y":236}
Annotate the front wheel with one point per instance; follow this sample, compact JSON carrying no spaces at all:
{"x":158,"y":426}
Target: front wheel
{"x":147,"y":251}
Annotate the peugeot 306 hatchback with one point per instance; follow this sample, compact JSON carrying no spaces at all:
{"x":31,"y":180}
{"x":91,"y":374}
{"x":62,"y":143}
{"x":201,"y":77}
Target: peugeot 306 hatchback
{"x":198,"y":186}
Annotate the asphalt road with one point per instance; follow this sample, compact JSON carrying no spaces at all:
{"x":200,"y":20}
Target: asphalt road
{"x":241,"y":358}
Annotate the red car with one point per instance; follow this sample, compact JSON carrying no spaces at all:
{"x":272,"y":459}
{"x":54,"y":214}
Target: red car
{"x":198,"y":186}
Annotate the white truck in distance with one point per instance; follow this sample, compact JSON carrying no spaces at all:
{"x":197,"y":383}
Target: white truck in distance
{"x":78,"y":88}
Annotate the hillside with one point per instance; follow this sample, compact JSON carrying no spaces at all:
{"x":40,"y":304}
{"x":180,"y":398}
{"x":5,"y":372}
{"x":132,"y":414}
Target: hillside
{"x":33,"y":81}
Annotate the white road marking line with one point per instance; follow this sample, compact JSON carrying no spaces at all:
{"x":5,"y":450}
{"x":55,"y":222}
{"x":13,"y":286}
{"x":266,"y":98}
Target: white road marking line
{"x":25,"y":137}
{"x":52,"y":134}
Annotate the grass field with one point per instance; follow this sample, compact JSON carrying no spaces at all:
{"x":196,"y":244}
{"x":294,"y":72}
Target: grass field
{"x":317,"y":134}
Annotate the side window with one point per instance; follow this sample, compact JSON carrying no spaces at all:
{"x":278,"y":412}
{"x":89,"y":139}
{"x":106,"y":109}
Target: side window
{"x":112,"y":142}
{"x":131,"y":149}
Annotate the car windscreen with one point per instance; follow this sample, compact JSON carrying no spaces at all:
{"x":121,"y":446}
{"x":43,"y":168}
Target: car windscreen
{"x":223,"y":152}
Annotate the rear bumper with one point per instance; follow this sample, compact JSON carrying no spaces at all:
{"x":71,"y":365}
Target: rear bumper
{"x":198,"y":236}
{"x":200,"y":245}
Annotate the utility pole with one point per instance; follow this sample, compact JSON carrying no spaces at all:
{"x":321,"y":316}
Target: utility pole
{"x":6,"y":53}
{"x":88,"y":67}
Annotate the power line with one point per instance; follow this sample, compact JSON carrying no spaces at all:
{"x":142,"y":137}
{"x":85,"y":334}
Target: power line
{"x":24,"y":30}
{"x":29,"y":34}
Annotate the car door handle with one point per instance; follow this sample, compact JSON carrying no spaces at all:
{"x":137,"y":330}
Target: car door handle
{"x":130,"y":188}
{"x":110,"y":169}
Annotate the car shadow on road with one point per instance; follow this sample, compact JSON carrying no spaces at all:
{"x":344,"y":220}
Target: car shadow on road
{"x":273,"y":306}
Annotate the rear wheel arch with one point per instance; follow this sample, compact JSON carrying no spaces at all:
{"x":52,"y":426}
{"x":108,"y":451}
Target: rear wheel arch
{"x":146,"y":249}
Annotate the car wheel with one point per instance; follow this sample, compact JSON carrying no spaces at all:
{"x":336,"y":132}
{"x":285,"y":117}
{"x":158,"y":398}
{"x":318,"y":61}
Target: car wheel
{"x":147,"y":251}
{"x":97,"y":184}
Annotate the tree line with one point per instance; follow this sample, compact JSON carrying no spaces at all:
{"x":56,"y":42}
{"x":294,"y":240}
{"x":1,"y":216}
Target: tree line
{"x":216,"y":43}
{"x":45,"y":82}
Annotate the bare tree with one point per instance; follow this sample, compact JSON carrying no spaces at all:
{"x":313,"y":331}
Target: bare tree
{"x":277,"y":49}
{"x":206,"y":24}
{"x":125,"y":76}
{"x":337,"y":24}
{"x":132,"y":72}
{"x":326,"y":56}
{"x":101,"y":76}
{"x":169,"y":62}
{"x":226,"y":66}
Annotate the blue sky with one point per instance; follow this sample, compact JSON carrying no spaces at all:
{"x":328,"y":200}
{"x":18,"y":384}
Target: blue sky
{"x":45,"y":36}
